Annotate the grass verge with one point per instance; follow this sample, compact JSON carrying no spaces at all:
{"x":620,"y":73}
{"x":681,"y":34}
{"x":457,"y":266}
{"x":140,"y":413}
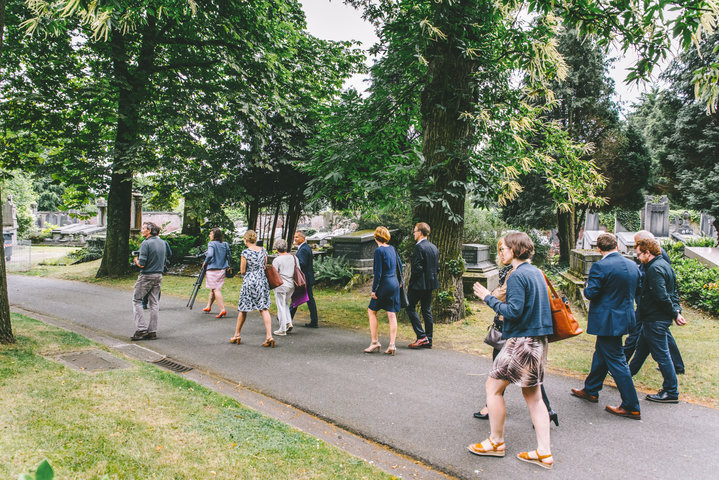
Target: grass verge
{"x":697,"y":341}
{"x":141,"y":423}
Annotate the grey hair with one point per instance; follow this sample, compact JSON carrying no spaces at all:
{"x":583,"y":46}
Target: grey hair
{"x":643,"y":234}
{"x":281,"y":245}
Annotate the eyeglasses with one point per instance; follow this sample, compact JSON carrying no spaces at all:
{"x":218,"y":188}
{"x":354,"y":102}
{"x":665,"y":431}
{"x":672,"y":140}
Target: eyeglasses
{"x":504,"y":248}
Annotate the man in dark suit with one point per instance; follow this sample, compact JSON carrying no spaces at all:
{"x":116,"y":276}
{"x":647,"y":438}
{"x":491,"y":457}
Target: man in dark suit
{"x":304,"y":257}
{"x":657,"y":308}
{"x":610,"y":289}
{"x":423,"y":279}
{"x":630,"y":343}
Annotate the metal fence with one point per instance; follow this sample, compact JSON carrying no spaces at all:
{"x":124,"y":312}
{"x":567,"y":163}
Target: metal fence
{"x":17,"y":257}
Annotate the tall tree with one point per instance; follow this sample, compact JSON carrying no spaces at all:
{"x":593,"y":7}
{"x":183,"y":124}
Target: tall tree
{"x":477,"y":128}
{"x":6,"y":335}
{"x":169,"y":69}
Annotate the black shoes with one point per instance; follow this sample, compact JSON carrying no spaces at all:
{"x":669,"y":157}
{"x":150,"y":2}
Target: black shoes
{"x":144,"y":335}
{"x":663,"y":397}
{"x":481,"y":416}
{"x":311,"y":325}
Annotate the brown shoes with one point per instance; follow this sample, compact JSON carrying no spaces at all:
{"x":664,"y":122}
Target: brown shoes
{"x":623,"y":413}
{"x":420,"y":343}
{"x":580,"y":393}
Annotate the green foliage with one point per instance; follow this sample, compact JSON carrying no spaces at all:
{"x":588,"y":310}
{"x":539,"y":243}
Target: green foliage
{"x":629,"y":218}
{"x":182,"y":245}
{"x":542,"y":247}
{"x":19,"y":185}
{"x":678,"y":217}
{"x":43,"y":472}
{"x":698,"y":284}
{"x":456,"y":266}
{"x":445,"y":298}
{"x":483,"y":226}
{"x":332,"y":271}
{"x":236,"y":249}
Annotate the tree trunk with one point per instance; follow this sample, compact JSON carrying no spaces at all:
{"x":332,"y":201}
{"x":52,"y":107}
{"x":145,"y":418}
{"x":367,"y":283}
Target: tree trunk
{"x":446,"y":95}
{"x":294,"y":210}
{"x":190,"y":220}
{"x":6,"y":335}
{"x":132,"y":90}
{"x":567,"y":233}
{"x":274,"y":224}
{"x":252,"y":214}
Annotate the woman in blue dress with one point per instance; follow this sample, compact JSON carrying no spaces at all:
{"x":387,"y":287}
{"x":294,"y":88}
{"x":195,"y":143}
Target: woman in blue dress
{"x":385,"y":290}
{"x":255,"y":291}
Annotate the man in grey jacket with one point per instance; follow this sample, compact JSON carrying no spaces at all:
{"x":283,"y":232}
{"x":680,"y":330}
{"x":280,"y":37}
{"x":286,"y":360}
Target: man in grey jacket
{"x":154,"y":251}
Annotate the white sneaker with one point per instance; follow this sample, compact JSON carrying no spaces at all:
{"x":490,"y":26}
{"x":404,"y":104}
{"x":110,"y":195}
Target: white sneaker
{"x":289,"y":328}
{"x":281,"y":333}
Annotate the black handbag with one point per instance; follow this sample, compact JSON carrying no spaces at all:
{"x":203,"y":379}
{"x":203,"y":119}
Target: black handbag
{"x":403,"y":298}
{"x":229,"y":273}
{"x":494,"y":338}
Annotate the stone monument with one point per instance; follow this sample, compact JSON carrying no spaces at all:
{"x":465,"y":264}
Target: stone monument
{"x":478,"y":267}
{"x":706,"y":226}
{"x":592,"y":221}
{"x":655,"y":216}
{"x":685,"y":233}
{"x":589,"y":240}
{"x":625,"y":242}
{"x":357,"y":248}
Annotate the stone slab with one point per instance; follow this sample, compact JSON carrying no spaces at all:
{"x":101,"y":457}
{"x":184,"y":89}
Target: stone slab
{"x":589,"y":240}
{"x":709,"y":256}
{"x":625,"y":241}
{"x":91,"y":361}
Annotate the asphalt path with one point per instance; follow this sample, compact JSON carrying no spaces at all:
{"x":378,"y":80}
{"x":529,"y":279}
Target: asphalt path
{"x":419,"y":402}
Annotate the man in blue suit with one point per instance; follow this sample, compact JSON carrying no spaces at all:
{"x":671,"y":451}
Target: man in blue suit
{"x":611,"y":287}
{"x":305,"y":259}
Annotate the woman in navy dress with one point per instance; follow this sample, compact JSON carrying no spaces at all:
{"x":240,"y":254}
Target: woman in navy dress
{"x":385,"y":290}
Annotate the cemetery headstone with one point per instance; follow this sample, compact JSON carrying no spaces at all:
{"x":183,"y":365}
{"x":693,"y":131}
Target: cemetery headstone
{"x":655,"y":216}
{"x":478,"y":268}
{"x":592,"y":221}
{"x":589,"y":240}
{"x":625,"y":242}
{"x":357,"y":248}
{"x":706,"y":226}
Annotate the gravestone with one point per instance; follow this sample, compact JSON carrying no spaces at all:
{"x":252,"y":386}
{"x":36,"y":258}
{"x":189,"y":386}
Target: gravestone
{"x":589,"y":239}
{"x":625,"y":242}
{"x":9,"y":218}
{"x":592,"y":221}
{"x":618,"y":227}
{"x":685,"y":232}
{"x":101,"y":212}
{"x":478,"y":268}
{"x":136,"y":213}
{"x":357,"y":248}
{"x":709,"y":256}
{"x":655,"y":216}
{"x":580,"y":261}
{"x":706,"y":226}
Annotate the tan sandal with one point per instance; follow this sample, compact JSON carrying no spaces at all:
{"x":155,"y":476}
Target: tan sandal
{"x":524,"y":456}
{"x":478,"y":449}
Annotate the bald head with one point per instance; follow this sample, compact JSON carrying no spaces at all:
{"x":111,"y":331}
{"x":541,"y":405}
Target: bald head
{"x":643,"y":235}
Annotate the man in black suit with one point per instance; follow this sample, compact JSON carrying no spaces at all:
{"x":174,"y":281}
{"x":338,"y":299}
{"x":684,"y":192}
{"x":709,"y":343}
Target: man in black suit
{"x":304,"y":257}
{"x":610,"y":289}
{"x":425,"y":267}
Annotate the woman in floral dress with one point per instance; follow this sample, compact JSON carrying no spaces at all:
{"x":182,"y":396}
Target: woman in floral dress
{"x":255,"y":291}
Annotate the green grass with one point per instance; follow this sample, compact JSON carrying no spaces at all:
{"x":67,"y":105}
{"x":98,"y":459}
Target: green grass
{"x":140,"y":423}
{"x":697,"y":341}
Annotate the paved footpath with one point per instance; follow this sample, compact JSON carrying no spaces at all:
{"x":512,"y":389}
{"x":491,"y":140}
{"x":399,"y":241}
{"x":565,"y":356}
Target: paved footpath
{"x":419,"y":402}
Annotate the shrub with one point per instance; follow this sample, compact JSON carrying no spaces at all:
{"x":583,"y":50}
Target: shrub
{"x":483,"y":226}
{"x":332,"y":271}
{"x":182,"y":245}
{"x":697,"y":283}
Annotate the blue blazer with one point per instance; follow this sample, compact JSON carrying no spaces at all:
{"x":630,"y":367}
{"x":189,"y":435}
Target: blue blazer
{"x":304,"y":257}
{"x":611,"y":287}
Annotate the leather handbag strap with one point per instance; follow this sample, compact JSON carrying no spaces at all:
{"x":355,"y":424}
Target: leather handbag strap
{"x":551,"y":287}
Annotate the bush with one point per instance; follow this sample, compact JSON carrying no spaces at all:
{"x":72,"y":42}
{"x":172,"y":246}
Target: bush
{"x":236,"y":251}
{"x":483,"y":226}
{"x":698,"y":284}
{"x":182,"y":245}
{"x":332,"y":271}
{"x":42,"y":235}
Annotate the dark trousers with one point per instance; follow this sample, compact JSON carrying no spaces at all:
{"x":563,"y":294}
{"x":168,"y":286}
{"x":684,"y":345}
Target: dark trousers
{"x":630,"y":345}
{"x":654,"y":341}
{"x":310,"y":304}
{"x":609,"y":357}
{"x":424,"y":297}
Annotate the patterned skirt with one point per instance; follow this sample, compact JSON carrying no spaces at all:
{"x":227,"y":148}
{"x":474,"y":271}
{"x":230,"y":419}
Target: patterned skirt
{"x":215,"y":278}
{"x":521,"y":361}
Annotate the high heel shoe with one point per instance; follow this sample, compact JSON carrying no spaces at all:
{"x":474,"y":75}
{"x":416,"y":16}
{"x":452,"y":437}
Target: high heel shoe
{"x":207,"y":309}
{"x":236,"y":339}
{"x":553,"y":417}
{"x":221,"y":314}
{"x":373,"y":347}
{"x":270,"y":342}
{"x":391,"y":350}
